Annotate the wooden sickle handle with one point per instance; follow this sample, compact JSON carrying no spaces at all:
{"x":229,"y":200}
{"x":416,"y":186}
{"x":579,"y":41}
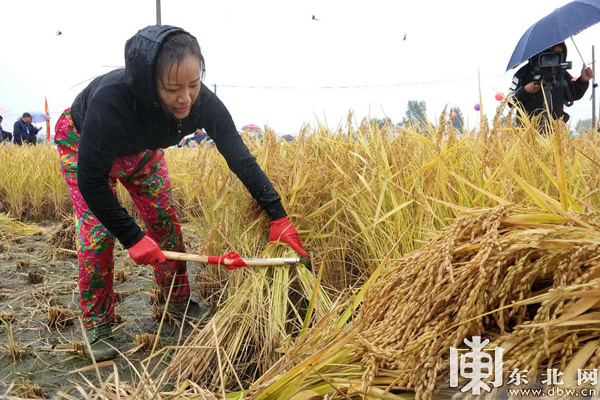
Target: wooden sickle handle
{"x":255,"y":262}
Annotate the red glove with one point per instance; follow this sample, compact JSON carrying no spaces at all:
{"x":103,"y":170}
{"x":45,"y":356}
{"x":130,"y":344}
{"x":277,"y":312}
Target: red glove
{"x":283,"y":230}
{"x":146,"y":252}
{"x":238,"y":262}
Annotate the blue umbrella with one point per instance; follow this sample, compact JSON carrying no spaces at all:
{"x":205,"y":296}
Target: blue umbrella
{"x":38,"y":116}
{"x":554,"y":28}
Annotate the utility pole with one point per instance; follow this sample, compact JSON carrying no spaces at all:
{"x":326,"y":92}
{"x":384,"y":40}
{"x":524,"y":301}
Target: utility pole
{"x":215,"y":86}
{"x":593,"y":91}
{"x":158,"y":12}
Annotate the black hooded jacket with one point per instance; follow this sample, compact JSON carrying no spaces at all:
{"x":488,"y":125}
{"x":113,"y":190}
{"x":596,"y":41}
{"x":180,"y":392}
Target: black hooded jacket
{"x":533,"y":103}
{"x":119,"y":114}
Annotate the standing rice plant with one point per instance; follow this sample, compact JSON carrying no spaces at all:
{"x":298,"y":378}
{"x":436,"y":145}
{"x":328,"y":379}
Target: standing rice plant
{"x":30,"y":183}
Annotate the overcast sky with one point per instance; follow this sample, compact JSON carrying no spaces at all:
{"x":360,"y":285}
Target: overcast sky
{"x":356,"y":47}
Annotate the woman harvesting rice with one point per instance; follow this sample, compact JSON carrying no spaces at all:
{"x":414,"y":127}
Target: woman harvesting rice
{"x":116,"y":129}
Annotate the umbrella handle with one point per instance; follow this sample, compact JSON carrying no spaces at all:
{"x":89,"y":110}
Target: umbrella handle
{"x":256,"y":262}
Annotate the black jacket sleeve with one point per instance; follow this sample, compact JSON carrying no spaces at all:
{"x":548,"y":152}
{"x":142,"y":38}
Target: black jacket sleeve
{"x":517,"y":87}
{"x":529,"y":101}
{"x":98,"y":147}
{"x":219,"y":126}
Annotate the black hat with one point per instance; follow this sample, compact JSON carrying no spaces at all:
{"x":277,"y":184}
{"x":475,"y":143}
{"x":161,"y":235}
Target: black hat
{"x":26,"y":114}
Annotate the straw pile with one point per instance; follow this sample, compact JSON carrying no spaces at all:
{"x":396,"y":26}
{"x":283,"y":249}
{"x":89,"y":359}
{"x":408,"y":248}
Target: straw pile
{"x":9,"y":227}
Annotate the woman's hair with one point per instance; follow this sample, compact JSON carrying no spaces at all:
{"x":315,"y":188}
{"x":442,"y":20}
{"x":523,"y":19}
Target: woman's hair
{"x":174,"y":49}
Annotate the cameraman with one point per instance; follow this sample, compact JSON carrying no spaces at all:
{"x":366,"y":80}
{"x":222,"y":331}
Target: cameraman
{"x":526,"y":89}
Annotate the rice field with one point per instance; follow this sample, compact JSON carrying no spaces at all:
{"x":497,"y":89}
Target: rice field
{"x":418,"y":239}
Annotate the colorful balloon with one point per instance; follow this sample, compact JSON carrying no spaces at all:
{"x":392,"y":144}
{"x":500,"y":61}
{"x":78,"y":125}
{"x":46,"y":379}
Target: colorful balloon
{"x":453,"y":115}
{"x":477,"y":107}
{"x":499,"y":96}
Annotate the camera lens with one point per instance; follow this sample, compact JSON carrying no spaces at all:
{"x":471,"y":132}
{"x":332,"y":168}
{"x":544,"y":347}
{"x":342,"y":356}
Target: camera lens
{"x":550,"y":60}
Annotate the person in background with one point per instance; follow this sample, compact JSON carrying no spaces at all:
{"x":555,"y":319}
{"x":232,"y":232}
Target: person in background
{"x":117,"y":129}
{"x":199,"y":136}
{"x":33,"y":131}
{"x":5,"y":136}
{"x":24,"y":131}
{"x":526,"y":91}
{"x":194,"y":140}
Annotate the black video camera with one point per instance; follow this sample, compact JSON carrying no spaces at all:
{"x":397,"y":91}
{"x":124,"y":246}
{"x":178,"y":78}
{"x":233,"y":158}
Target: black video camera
{"x":549,"y":66}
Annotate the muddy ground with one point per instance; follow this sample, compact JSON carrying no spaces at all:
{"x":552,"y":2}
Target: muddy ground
{"x":50,"y":348}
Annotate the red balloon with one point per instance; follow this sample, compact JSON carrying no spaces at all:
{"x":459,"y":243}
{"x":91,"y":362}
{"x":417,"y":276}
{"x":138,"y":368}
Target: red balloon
{"x":453,"y":115}
{"x":499,"y":96}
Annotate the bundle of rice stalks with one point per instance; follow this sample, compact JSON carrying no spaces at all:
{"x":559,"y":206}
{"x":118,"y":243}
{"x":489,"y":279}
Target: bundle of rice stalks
{"x":60,"y":317}
{"x":10,"y":227}
{"x":63,"y":240}
{"x":258,"y":316}
{"x":528,"y":282}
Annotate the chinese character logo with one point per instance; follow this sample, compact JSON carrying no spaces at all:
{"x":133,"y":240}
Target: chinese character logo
{"x":552,"y":377}
{"x":476,"y":365}
{"x":518,"y":377}
{"x":587,"y":376}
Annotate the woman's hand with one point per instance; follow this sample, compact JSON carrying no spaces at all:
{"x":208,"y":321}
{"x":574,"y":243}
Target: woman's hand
{"x":283,"y":230}
{"x":146,"y":252}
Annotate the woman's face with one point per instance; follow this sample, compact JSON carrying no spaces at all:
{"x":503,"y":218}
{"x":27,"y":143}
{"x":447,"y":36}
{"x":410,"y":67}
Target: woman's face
{"x":179,"y":86}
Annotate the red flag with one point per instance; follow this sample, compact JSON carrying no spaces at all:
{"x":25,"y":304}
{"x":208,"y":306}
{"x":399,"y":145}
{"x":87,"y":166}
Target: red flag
{"x":47,"y":122}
